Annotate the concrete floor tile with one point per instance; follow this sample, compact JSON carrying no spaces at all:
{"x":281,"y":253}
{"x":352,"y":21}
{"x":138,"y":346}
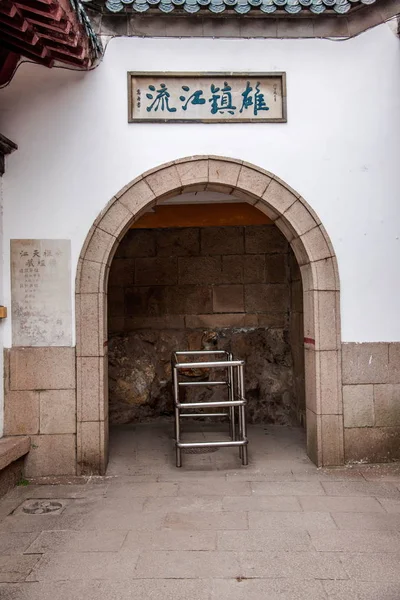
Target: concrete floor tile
{"x":135,"y":589}
{"x":261,"y":503}
{"x":356,"y":541}
{"x":253,"y":475}
{"x":347,"y":473}
{"x":382,"y":567}
{"x":264,"y":541}
{"x":38,"y":523}
{"x":340,"y":504}
{"x":366,"y":488}
{"x":266,"y":589}
{"x":219,"y":488}
{"x":77,"y":541}
{"x":291,"y":565}
{"x":291,"y":520}
{"x":184,"y":504}
{"x":15,"y":543}
{"x":85,"y":565}
{"x":289,"y":488}
{"x":170,"y":540}
{"x":180,"y":565}
{"x":142,"y":490}
{"x":16,"y":567}
{"x":206,"y":521}
{"x":367,"y":521}
{"x":361,"y":590}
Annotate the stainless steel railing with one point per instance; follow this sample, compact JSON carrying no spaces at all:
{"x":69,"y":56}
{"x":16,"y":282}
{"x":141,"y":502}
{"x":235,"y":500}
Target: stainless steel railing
{"x":236,"y":399}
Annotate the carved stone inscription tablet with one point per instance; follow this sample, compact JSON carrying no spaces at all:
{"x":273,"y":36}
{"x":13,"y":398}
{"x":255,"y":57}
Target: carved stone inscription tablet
{"x":41,"y":292}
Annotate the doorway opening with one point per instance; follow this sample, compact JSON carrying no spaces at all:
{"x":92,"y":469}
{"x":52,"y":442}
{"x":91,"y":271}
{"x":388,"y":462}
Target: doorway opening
{"x":315,"y":256}
{"x":203,"y":270}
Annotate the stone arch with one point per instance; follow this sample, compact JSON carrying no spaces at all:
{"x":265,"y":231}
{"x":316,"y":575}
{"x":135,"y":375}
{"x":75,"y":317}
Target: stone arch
{"x":314,"y":253}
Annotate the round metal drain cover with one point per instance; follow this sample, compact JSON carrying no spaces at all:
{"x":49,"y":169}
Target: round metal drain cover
{"x":41,"y":507}
{"x":199,"y":450}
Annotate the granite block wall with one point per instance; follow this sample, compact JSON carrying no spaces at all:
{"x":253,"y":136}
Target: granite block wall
{"x":168,"y":286}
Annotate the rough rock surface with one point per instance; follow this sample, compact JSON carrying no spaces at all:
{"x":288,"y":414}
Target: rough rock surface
{"x":140,"y":372}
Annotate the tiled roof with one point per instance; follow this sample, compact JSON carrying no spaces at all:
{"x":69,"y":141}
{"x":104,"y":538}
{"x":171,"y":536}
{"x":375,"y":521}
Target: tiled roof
{"x":240,"y":6}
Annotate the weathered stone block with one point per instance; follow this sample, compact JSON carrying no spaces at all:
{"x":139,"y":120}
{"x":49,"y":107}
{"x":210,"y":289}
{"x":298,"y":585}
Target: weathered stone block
{"x":156,"y":271}
{"x":233,"y":267}
{"x":253,"y":181}
{"x":365,"y":363}
{"x":164,"y":322}
{"x":262,"y":298}
{"x":57,"y":411}
{"x":136,"y":196}
{"x":137,"y":243}
{"x":122,"y":272}
{"x":12,"y":448}
{"x":116,"y":301}
{"x":332,"y":440}
{"x":276,"y":320}
{"x":100,"y":246}
{"x":279,"y":197}
{"x":200,"y":269}
{"x":223,"y":172}
{"x":145,"y":301}
{"x":387,"y":405}
{"x":222,"y":240}
{"x":51,"y":455}
{"x":254,"y":268}
{"x":394,"y":362}
{"x":188,"y":299}
{"x":42,"y":368}
{"x":21,"y":413}
{"x":315,"y":245}
{"x":300,"y":218}
{"x":115,"y":219}
{"x":358,"y":405}
{"x":264,"y":240}
{"x":372,"y":444}
{"x":89,"y":383}
{"x":178,"y":242}
{"x":89,"y":456}
{"x":164,"y":181}
{"x":192,"y":172}
{"x":220,"y":321}
{"x":275,"y":268}
{"x":228,"y":299}
{"x":329,"y":382}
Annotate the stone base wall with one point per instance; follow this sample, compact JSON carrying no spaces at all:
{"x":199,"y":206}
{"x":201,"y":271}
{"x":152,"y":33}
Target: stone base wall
{"x":371,"y":401}
{"x":40,"y":401}
{"x":168,"y":286}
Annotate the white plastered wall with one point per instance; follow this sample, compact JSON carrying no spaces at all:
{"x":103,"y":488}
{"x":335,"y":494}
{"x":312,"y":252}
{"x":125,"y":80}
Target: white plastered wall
{"x":340,"y":149}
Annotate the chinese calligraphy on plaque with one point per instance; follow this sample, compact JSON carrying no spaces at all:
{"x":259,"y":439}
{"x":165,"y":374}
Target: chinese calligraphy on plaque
{"x":41,"y":292}
{"x":207,"y":97}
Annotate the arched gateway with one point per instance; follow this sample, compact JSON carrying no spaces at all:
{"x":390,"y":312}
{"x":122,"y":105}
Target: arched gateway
{"x":314,"y":253}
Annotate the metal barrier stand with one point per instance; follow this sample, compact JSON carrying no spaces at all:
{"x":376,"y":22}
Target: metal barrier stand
{"x":236,"y":399}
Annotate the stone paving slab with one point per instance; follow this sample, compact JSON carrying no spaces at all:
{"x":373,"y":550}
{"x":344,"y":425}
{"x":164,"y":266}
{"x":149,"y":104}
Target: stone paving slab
{"x":206,"y":520}
{"x":280,"y":529}
{"x":340,"y":504}
{"x":367,"y":521}
{"x":291,"y":520}
{"x":264,"y":541}
{"x":266,"y":589}
{"x":373,"y":567}
{"x":16,"y":567}
{"x":361,"y":590}
{"x":84,"y":565}
{"x":356,"y":541}
{"x":134,"y":589}
{"x":171,"y":540}
{"x":262,"y":503}
{"x":16,"y":543}
{"x":77,"y":541}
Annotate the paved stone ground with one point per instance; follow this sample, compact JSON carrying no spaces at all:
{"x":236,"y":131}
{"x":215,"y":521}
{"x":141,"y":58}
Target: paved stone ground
{"x":213,"y":530}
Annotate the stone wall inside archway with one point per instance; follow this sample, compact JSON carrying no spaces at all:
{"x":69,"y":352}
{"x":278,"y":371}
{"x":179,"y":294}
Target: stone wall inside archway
{"x":315,"y":256}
